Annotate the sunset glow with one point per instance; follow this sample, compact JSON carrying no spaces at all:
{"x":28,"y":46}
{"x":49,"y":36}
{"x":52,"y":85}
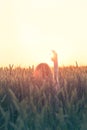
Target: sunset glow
{"x":30,"y":29}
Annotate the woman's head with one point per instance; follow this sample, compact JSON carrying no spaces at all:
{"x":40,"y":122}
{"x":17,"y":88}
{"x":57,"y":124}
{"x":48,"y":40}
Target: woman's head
{"x":43,"y":72}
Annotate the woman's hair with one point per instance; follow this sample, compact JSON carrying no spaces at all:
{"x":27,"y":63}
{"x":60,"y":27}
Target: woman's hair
{"x":43,"y":72}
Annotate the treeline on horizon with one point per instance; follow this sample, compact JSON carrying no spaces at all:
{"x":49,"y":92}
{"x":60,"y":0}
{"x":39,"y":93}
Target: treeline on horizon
{"x":25,"y":104}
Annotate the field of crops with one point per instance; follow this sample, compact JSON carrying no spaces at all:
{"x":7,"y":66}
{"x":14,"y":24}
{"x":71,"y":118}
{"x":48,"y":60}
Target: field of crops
{"x":26,"y":104}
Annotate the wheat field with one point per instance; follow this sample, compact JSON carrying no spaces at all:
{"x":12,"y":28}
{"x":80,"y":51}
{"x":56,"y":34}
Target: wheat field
{"x":26,"y":104}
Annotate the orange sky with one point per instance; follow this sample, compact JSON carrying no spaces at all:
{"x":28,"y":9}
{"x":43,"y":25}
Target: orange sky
{"x":30,"y":29}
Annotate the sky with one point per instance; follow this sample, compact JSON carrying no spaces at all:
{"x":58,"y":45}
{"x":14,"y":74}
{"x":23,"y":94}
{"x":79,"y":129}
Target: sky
{"x":30,"y":29}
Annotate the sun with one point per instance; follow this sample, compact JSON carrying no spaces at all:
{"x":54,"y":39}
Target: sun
{"x":36,"y":47}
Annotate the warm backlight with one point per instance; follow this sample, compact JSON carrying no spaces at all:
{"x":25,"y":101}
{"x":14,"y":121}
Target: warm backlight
{"x":30,"y":29}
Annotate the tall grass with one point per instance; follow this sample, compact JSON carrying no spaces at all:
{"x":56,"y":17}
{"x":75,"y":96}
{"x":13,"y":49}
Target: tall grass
{"x":27,"y":105}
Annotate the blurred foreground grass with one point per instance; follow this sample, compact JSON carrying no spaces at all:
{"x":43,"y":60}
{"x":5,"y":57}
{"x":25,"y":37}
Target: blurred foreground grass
{"x":27,"y":105}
